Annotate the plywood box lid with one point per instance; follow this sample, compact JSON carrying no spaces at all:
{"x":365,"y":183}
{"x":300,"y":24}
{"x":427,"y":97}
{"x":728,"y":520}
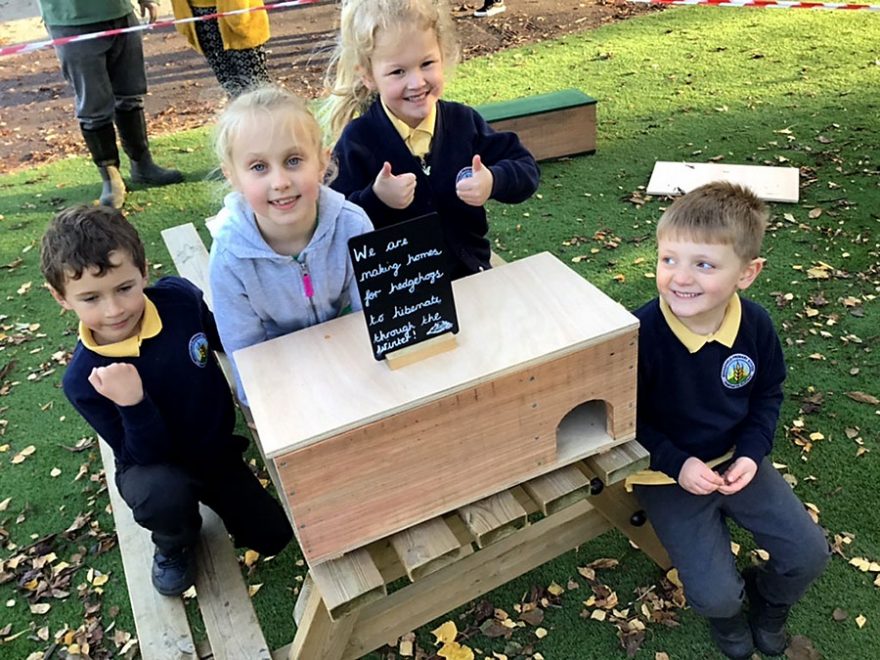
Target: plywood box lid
{"x":323,"y":380}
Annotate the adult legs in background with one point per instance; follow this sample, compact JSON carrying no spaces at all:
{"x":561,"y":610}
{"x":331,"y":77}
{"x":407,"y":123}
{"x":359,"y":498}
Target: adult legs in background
{"x":236,"y":70}
{"x":107,"y":76}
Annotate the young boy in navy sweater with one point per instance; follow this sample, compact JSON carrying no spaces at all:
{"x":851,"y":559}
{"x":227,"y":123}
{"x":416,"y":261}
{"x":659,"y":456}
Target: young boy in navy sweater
{"x":144,"y":377}
{"x":710,"y":386}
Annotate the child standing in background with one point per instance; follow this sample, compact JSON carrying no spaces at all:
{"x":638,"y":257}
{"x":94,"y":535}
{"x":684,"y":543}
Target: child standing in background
{"x":710,"y":386}
{"x":410,"y":153}
{"x":279,"y":261}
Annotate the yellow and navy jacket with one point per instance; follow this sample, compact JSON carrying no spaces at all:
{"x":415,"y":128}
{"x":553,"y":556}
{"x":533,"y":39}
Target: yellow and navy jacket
{"x":705,"y":403}
{"x":186,"y":416}
{"x":460,"y":133}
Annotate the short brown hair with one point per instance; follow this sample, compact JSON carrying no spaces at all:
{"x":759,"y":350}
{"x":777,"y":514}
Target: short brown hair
{"x":81,"y":238}
{"x":719,"y":212}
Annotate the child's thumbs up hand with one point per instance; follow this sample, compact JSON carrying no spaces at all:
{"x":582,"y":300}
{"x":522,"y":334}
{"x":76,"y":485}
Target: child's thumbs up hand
{"x":395,"y":191}
{"x":120,"y":382}
{"x":476,"y":189}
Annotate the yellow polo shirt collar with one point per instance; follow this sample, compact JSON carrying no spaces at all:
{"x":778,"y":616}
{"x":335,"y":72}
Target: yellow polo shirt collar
{"x":151,"y":325}
{"x":418,"y":139}
{"x":726,"y":334}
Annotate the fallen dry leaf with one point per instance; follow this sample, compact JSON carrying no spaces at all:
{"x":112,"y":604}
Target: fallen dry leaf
{"x":405,"y":649}
{"x":445,"y":633}
{"x":456,"y":651}
{"x":862,"y":397}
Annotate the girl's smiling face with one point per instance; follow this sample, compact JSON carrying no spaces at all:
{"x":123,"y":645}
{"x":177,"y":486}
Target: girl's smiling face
{"x":278,"y":170}
{"x":406,"y":70}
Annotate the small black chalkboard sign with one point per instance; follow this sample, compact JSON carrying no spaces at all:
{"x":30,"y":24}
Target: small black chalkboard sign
{"x":402,"y":277}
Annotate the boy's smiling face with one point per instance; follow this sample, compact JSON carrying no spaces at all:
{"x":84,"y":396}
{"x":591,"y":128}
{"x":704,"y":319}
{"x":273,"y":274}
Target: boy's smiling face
{"x":697,"y":280}
{"x":112,"y":305}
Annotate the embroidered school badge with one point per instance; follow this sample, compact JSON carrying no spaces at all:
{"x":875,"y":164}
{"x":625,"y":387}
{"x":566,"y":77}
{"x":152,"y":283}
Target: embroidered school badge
{"x":737,"y":371}
{"x":198,"y":349}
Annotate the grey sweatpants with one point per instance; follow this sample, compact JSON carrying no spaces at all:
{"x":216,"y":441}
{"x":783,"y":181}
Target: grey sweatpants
{"x":106,"y":73}
{"x":693,"y":530}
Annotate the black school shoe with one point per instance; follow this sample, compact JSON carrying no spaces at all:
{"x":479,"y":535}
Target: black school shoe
{"x":766,"y":619}
{"x":733,"y":637}
{"x":173,"y":573}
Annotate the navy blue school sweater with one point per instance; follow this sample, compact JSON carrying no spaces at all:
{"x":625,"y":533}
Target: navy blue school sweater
{"x":702,"y":404}
{"x":187,"y":414}
{"x":460,"y":134}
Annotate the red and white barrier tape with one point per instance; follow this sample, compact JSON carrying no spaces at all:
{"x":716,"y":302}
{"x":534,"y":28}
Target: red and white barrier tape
{"x":21,"y":49}
{"x":768,"y":4}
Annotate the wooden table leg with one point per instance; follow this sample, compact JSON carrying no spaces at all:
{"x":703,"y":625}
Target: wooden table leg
{"x":317,"y":636}
{"x":618,"y":507}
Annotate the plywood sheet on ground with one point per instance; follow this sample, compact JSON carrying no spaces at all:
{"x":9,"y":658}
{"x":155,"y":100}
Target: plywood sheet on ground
{"x":772,"y":184}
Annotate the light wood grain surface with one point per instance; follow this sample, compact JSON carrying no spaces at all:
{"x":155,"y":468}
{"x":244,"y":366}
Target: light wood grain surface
{"x":323,"y":380}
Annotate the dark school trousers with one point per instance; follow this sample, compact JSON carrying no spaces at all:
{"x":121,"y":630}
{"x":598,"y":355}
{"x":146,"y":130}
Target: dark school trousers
{"x":694,"y":532}
{"x":106,"y":74}
{"x":164,"y":498}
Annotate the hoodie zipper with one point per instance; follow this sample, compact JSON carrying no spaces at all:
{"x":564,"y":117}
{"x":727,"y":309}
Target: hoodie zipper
{"x":308,"y":289}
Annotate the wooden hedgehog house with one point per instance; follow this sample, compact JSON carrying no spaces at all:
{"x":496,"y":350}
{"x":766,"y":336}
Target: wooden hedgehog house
{"x":543,"y":375}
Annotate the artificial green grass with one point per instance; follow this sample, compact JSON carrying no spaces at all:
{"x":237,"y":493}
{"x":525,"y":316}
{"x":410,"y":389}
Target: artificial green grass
{"x":750,"y":86}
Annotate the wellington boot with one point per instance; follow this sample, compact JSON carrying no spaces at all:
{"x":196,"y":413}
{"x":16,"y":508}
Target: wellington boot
{"x":132,"y":128}
{"x":113,"y":190}
{"x":146,"y":171}
{"x":733,"y":637}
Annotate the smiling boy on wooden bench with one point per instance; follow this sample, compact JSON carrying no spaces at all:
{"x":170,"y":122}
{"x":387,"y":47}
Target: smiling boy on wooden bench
{"x":144,"y":377}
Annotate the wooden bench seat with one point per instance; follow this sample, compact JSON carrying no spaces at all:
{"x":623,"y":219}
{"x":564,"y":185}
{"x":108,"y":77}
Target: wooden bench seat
{"x":551,"y":125}
{"x":161,"y":622}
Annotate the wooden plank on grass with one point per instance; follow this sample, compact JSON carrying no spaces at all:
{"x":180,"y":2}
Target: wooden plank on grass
{"x":162,"y":628}
{"x":772,"y":184}
{"x":493,"y":517}
{"x":226,"y":607}
{"x":348,"y":582}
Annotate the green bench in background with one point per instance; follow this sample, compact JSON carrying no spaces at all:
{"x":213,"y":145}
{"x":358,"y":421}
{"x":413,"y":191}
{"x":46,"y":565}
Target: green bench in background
{"x":549,"y":125}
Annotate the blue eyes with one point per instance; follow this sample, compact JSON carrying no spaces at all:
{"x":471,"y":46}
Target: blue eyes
{"x":701,"y":265}
{"x":292,"y":162}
